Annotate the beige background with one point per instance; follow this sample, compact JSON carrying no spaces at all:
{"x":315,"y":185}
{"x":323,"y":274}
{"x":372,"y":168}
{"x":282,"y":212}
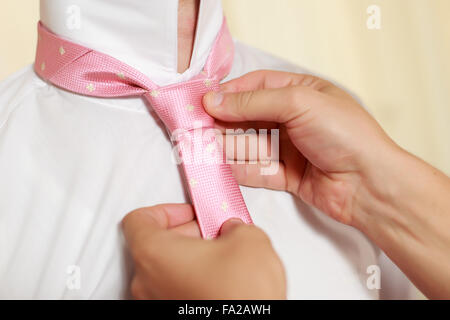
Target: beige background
{"x":401,"y":72}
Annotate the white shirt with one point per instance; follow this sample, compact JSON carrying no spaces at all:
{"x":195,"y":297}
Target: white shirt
{"x":71,"y":167}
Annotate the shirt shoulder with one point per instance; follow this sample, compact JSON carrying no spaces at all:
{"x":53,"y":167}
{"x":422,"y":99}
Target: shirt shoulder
{"x":248,"y":59}
{"x":16,"y":89}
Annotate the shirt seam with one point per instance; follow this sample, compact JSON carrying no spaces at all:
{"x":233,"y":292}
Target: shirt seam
{"x":15,"y":107}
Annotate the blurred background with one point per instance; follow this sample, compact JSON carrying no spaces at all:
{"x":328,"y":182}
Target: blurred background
{"x":396,"y":59}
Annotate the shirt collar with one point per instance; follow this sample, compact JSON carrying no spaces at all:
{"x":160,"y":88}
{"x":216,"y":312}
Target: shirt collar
{"x":140,"y":33}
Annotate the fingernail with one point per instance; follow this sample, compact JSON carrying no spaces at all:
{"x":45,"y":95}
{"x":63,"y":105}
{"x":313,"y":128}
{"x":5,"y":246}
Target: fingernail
{"x":234,"y":221}
{"x":217,"y":99}
{"x":229,"y":225}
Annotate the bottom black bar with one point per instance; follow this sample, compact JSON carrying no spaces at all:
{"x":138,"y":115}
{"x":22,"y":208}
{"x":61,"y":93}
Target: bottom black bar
{"x":305,"y":309}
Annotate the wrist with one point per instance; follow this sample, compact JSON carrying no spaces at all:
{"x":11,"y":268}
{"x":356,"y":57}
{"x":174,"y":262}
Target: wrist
{"x":402,"y":206}
{"x":402,"y":200}
{"x":383,"y":188}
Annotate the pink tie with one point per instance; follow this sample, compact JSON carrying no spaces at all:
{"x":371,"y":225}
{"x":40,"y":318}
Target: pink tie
{"x":214,"y":192}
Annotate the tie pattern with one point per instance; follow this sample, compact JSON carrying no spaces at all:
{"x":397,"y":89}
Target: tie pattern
{"x":214,"y":192}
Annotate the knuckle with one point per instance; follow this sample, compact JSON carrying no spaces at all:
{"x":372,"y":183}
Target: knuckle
{"x":315,"y":83}
{"x":147,"y":258}
{"x":253,"y":235}
{"x":322,"y":85}
{"x":258,"y":234}
{"x":296,"y":95}
{"x":159,"y":215}
{"x":154,"y":215}
{"x":131,"y":217}
{"x":310,"y":81}
{"x":136,"y":289}
{"x":278,"y":278}
{"x":243,"y":101}
{"x":146,"y":252}
{"x":141,"y":255}
{"x":261,"y":74}
{"x":295,"y":98}
{"x":299,"y":100}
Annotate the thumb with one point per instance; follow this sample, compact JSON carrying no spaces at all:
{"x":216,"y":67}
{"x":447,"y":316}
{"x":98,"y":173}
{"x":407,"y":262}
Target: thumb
{"x":275,"y":105}
{"x":141,"y":224}
{"x":230,"y":225}
{"x":143,"y":227}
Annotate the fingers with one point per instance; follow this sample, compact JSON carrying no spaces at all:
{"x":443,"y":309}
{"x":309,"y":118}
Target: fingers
{"x":190,"y":229}
{"x":273,"y":105}
{"x":255,"y":125}
{"x":235,"y":231}
{"x":249,"y":245}
{"x":250,"y":147}
{"x":229,"y":225}
{"x":251,"y":175}
{"x":269,"y":79}
{"x":268,"y":96}
{"x":283,"y":175}
{"x":141,"y":225}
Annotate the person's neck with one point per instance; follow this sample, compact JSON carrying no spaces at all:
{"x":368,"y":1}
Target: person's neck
{"x":167,"y":40}
{"x":187,"y":23}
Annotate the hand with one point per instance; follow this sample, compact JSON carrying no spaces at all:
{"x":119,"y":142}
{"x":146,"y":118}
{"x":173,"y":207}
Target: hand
{"x":173,"y":262}
{"x":335,"y":157}
{"x":328,"y":142}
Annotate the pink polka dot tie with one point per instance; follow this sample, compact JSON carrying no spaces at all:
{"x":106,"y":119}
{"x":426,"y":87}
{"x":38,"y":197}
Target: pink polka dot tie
{"x":214,"y":192}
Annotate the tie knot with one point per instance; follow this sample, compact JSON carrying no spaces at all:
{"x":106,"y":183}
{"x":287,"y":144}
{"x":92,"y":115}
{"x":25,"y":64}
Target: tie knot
{"x":180,"y":106}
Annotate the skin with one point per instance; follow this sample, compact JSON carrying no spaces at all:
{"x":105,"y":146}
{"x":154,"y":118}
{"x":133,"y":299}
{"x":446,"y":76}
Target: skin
{"x":187,"y":23}
{"x":173,"y":262}
{"x":159,"y":237}
{"x":333,"y":155}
